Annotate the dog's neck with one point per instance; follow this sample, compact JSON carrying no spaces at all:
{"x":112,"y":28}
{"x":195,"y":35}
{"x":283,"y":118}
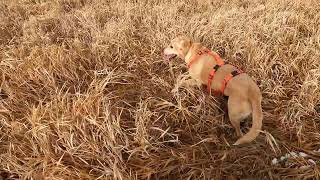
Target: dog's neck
{"x":194,"y":48}
{"x":187,"y":59}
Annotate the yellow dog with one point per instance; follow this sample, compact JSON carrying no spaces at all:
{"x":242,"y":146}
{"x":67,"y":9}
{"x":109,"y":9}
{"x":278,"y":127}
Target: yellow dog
{"x":208,"y":68}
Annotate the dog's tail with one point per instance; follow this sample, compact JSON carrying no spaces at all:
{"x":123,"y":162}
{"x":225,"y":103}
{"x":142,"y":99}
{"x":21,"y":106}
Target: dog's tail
{"x":256,"y":121}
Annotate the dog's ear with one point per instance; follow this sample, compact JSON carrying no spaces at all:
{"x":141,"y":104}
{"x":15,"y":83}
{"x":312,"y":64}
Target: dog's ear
{"x":185,"y":43}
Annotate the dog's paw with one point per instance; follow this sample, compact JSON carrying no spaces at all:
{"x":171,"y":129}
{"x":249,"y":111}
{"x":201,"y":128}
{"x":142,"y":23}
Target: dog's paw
{"x":192,"y":82}
{"x":236,"y":143}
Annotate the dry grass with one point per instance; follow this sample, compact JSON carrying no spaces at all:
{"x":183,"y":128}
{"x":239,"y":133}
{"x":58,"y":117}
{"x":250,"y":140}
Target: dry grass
{"x":85,"y":92}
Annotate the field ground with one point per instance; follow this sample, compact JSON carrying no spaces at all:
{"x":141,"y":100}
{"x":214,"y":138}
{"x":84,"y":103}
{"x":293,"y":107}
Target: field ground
{"x":86,"y":94}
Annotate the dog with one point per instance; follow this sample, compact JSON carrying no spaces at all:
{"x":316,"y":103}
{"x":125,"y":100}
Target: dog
{"x":206,"y":67}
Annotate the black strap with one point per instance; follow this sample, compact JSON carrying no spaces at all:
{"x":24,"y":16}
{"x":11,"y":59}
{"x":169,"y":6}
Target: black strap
{"x":234,"y":73}
{"x":216,"y":67}
{"x":203,"y":51}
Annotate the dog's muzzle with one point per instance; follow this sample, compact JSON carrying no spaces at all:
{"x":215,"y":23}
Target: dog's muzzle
{"x":169,"y":57}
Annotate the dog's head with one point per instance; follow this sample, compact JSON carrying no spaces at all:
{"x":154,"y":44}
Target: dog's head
{"x":178,"y":47}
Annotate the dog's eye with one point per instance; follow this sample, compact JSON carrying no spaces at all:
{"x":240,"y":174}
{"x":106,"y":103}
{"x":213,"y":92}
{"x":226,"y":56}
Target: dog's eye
{"x":171,"y":46}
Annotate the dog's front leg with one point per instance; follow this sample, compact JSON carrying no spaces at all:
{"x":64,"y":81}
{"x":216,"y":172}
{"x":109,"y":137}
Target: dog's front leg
{"x":185,"y":81}
{"x":192,"y":82}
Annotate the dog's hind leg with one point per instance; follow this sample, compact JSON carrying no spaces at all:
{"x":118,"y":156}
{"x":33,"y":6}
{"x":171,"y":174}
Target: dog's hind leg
{"x":238,"y":109}
{"x":236,"y":124}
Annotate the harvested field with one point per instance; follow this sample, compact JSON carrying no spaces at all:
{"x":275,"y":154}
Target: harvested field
{"x":86,"y":94}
